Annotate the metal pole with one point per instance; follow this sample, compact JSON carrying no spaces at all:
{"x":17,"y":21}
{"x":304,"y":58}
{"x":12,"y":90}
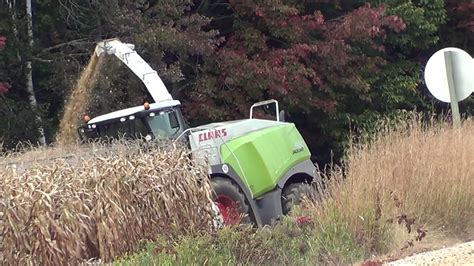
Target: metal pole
{"x":452,"y":89}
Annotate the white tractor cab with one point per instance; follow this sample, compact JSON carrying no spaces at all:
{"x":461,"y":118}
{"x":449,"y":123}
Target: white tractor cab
{"x":259,"y":168}
{"x":149,"y":121}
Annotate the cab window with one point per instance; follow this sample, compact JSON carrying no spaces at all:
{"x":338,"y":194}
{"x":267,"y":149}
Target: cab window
{"x":163,"y":124}
{"x":134,"y":128}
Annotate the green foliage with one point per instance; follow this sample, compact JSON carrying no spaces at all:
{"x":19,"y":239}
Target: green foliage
{"x":14,"y":116}
{"x":282,"y":244}
{"x":423,"y":19}
{"x":166,"y":33}
{"x":188,"y":250}
{"x":395,"y":86}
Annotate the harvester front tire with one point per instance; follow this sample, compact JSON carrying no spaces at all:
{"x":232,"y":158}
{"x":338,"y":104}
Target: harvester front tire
{"x":293,"y":194}
{"x":231,"y":201}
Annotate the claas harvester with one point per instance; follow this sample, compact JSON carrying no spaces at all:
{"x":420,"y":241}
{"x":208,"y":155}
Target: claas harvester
{"x":258,"y":168}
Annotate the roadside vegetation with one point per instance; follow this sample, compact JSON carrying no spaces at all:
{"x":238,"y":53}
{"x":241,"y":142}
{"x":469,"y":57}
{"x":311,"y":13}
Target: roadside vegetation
{"x":409,"y":182}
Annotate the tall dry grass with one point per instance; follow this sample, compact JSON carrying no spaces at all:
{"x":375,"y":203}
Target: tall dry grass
{"x":100,"y":205}
{"x":413,"y":175}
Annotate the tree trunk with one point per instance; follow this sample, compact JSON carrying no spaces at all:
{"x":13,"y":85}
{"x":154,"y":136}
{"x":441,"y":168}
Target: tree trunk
{"x":29,"y":76}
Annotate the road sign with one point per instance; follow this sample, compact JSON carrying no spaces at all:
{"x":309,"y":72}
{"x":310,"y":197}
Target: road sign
{"x":449,"y":76}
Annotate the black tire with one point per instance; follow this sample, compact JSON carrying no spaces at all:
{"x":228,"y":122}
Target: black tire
{"x":294,"y":193}
{"x":224,"y":186}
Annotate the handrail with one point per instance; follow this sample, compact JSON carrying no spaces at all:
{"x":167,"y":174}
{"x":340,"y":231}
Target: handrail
{"x":265,"y":103}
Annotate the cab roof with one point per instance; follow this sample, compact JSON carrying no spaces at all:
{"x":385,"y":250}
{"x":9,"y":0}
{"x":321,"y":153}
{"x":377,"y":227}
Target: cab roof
{"x":133,"y":110}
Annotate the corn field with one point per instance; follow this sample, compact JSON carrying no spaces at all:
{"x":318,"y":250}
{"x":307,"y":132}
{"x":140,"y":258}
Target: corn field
{"x":99,"y":205}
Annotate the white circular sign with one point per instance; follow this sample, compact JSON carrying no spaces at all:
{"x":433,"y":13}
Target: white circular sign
{"x":463,"y":74}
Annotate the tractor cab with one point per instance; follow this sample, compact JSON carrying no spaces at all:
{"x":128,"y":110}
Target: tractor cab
{"x":162,"y":120}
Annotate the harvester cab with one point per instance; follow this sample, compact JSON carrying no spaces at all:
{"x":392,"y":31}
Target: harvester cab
{"x":150,"y":121}
{"x":260,"y":167}
{"x":162,"y":119}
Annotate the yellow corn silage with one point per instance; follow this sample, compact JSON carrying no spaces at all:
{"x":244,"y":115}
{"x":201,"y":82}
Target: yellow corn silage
{"x":78,"y":101}
{"x":99,"y":203}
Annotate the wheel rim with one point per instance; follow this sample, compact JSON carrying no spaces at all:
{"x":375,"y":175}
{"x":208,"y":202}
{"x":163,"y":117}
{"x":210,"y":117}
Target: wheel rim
{"x":229,"y":209}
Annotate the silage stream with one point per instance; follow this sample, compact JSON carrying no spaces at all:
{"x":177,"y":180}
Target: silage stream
{"x":78,"y":101}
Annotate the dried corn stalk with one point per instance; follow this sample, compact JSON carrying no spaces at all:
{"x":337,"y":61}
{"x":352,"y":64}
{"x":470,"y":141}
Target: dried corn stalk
{"x":101,"y":204}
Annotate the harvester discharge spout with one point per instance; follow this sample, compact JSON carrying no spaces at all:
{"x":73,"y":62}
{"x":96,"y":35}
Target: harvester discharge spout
{"x":127,"y":54}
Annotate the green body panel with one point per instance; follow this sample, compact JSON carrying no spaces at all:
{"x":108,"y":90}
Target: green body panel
{"x":265,"y":156}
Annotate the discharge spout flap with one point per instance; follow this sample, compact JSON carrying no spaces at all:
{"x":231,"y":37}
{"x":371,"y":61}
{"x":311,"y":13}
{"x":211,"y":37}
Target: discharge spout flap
{"x":127,"y":54}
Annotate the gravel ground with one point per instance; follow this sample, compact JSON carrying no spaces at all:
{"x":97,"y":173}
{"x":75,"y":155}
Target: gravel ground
{"x":462,"y":254}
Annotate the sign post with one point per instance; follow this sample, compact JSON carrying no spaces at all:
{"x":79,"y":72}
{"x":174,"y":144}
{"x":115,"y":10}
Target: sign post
{"x":448,"y":60}
{"x":449,"y":77}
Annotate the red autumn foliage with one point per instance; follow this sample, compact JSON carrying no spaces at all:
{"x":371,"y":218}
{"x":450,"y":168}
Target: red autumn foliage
{"x":275,"y":55}
{"x":465,"y":11}
{"x":3,"y":42}
{"x":4,"y":87}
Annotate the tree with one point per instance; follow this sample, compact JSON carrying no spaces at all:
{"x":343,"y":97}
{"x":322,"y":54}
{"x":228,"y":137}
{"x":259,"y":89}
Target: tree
{"x":459,"y":29}
{"x":29,"y":75}
{"x":335,"y":66}
{"x":169,"y":35}
{"x":19,"y":68}
{"x":315,"y":61}
{"x":399,"y":86}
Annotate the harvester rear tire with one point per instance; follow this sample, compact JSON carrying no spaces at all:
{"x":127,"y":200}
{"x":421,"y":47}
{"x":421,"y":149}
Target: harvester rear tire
{"x":225,"y":190}
{"x":294,"y":193}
